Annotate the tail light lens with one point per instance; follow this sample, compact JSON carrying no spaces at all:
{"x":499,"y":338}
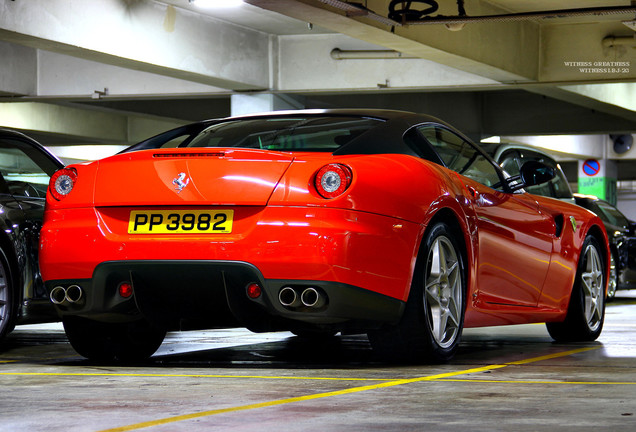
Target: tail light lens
{"x":125,"y":289}
{"x":333,"y":180}
{"x":62,"y":182}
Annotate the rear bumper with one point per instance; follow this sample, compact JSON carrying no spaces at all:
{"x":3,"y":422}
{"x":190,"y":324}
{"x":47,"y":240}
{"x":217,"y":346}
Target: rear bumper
{"x":362,"y":262}
{"x":214,"y":294}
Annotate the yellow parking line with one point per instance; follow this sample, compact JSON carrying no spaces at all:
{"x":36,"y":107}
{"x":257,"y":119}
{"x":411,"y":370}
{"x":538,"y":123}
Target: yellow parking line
{"x":539,"y":382}
{"x":393,"y":383}
{"x":552,"y":356}
{"x":294,"y":399}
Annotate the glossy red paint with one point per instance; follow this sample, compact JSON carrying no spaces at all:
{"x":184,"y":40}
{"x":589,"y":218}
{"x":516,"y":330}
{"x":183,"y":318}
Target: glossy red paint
{"x":306,"y":243}
{"x":543,"y":291}
{"x":369,"y":237}
{"x":298,"y":235}
{"x":210,"y":176}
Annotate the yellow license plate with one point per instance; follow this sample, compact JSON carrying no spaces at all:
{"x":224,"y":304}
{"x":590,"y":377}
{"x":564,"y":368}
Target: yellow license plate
{"x":180,"y":222}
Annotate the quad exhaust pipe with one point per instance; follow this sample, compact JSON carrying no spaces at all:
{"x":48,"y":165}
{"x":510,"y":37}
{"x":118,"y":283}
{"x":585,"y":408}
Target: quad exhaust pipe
{"x":71,"y":294}
{"x":289,"y":298}
{"x":310,"y":297}
{"x":295,"y":297}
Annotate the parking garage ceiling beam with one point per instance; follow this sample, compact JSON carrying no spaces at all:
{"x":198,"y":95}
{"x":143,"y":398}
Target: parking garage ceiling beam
{"x":69,"y":124}
{"x":490,"y":50}
{"x":142,"y":35}
{"x":545,"y":53}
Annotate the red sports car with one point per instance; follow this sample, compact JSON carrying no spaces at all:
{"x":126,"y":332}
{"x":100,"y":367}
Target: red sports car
{"x":356,"y":221}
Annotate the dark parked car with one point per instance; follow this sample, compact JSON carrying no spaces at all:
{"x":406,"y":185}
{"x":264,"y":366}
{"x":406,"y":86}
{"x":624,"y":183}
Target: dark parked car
{"x":622,"y":237}
{"x":511,"y":158}
{"x":25,"y":169}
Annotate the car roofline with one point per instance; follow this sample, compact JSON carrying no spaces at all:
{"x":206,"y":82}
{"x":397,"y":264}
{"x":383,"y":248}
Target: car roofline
{"x":380,"y":114}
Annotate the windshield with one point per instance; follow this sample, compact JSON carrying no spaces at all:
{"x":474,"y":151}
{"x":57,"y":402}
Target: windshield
{"x":320,"y":134}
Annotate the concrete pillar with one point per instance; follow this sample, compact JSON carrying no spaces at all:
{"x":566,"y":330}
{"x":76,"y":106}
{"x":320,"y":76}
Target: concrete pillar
{"x":252,"y":103}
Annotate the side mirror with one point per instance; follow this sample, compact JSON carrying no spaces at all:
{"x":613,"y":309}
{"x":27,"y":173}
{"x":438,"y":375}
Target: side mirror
{"x":531,"y":173}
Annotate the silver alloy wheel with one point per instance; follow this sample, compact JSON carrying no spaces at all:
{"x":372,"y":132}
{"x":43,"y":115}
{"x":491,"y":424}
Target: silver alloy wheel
{"x":612,"y":283}
{"x":593,"y":288}
{"x":443,"y":292}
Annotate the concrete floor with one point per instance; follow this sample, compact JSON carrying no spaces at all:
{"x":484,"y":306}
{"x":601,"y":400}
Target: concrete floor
{"x":503,"y":379}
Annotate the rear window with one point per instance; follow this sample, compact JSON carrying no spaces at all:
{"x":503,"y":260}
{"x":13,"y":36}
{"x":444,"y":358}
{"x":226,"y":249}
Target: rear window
{"x":319,"y":134}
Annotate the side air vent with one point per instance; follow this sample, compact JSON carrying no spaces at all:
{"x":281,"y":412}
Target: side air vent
{"x":559,"y":220}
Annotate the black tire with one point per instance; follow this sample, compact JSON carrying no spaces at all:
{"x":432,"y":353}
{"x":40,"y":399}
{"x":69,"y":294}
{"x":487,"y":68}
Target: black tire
{"x":105,"y":342}
{"x":586,"y":310}
{"x":8,"y":312}
{"x":433,"y":319}
{"x":612,"y":283}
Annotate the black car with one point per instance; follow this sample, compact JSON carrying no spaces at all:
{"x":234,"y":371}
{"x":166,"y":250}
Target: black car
{"x":622,"y":237}
{"x":511,"y":158}
{"x":25,"y":169}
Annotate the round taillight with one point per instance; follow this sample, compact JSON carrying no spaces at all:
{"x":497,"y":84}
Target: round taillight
{"x":332,"y":180}
{"x":62,"y":182}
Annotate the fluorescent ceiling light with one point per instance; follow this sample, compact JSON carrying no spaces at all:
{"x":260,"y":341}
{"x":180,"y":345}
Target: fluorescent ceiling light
{"x":217,"y":4}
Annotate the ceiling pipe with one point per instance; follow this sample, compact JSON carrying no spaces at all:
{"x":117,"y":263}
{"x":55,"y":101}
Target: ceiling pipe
{"x":455,"y":22}
{"x":338,"y":54}
{"x":612,"y":41}
{"x":522,"y":16}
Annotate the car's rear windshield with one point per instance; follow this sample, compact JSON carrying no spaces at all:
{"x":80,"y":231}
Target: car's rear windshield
{"x":320,"y":134}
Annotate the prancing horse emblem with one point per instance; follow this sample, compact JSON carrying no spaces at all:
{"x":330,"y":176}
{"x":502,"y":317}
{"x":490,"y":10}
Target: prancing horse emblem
{"x":573,"y":222}
{"x":180,"y":183}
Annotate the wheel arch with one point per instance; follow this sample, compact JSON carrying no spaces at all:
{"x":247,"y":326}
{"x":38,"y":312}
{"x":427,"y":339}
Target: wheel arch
{"x":416,"y":337}
{"x":449,"y":216}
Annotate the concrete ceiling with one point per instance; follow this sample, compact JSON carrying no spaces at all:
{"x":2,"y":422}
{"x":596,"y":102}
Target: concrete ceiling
{"x":117,"y":71}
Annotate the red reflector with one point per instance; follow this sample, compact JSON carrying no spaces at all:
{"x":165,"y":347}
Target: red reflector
{"x":253,"y":290}
{"x":125,"y":289}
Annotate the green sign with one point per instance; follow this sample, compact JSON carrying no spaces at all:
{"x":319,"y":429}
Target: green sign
{"x":602,"y":187}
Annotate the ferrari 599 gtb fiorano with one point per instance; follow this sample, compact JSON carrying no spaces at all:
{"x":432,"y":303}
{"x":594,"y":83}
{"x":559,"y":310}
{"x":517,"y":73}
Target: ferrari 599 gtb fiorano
{"x":355,"y":221}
